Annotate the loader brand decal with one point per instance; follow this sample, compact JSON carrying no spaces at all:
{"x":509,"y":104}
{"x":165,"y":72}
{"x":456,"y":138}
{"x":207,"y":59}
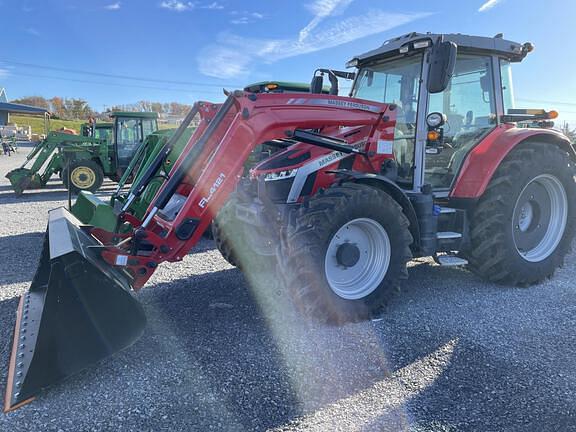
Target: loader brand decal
{"x":334,"y":102}
{"x":217,"y":183}
{"x":316,"y":165}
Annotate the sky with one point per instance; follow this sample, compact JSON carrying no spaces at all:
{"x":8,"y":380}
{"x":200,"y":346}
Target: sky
{"x":121,"y":51}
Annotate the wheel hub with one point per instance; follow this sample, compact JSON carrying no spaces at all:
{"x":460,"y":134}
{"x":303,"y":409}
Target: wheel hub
{"x":357,"y":258}
{"x":539,"y":218}
{"x":83,"y":177}
{"x":347,"y":254}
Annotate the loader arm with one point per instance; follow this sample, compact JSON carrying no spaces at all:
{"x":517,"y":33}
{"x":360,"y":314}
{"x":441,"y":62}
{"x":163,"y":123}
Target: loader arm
{"x":210,"y":167}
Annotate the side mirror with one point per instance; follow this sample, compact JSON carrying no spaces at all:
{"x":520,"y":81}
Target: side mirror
{"x":442,"y":63}
{"x":317,"y":84}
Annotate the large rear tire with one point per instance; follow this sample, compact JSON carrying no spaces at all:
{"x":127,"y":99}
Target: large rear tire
{"x":85,"y":175}
{"x":345,"y":252}
{"x":524,"y":224}
{"x":227,"y":232}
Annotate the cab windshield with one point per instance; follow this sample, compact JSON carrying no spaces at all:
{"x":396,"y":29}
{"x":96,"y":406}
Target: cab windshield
{"x":393,"y":81}
{"x":398,"y":82}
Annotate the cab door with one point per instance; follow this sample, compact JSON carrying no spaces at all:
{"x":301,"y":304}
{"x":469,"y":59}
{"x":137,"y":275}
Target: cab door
{"x":469,"y":106}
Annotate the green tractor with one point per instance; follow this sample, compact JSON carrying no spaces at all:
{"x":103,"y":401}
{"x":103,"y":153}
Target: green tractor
{"x":82,"y":161}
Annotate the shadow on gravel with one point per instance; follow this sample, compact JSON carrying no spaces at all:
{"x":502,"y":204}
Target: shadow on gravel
{"x":32,"y":196}
{"x":227,"y":360}
{"x":220,"y":355}
{"x":19,"y":255}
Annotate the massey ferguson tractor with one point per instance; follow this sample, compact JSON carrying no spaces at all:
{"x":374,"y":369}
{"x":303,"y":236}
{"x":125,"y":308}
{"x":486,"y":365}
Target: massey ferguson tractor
{"x":423,"y":159}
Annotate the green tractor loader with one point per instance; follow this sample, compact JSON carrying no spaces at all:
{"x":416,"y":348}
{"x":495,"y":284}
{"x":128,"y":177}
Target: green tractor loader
{"x":82,"y":161}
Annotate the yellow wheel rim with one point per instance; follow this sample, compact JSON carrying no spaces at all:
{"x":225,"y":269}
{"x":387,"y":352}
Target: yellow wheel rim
{"x":83,"y":177}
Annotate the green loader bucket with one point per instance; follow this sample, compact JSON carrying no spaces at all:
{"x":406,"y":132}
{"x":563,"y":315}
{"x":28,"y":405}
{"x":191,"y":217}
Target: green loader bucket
{"x":90,"y":210}
{"x":22,"y":179}
{"x":78,"y":311}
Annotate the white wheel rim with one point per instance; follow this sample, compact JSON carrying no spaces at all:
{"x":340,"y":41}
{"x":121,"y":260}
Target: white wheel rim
{"x":525,"y":218}
{"x":361,"y":279}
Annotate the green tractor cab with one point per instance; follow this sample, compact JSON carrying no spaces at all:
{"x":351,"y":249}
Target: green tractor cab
{"x":82,"y":161}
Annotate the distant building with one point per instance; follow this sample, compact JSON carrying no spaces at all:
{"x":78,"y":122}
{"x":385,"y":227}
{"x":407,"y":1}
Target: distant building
{"x":7,"y":108}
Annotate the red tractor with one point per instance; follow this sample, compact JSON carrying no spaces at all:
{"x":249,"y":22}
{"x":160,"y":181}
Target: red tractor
{"x":423,"y":159}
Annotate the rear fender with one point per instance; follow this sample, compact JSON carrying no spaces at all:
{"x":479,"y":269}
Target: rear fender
{"x":391,"y":189}
{"x":484,"y":159}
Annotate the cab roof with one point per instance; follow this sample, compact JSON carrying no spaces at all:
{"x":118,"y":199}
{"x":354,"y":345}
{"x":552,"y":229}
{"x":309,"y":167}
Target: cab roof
{"x":134,"y":114}
{"x":490,"y":45}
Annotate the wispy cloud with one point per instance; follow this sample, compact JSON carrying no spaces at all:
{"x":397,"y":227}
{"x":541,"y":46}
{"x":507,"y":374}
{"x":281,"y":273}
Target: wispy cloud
{"x":213,"y":5}
{"x":113,"y":6}
{"x":32,"y":31}
{"x":243,"y":17}
{"x":233,"y":55}
{"x":4,"y":73}
{"x":177,"y":6}
{"x":321,"y":10}
{"x":488,"y":5}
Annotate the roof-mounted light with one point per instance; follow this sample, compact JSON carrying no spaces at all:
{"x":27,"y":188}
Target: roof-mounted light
{"x":422,"y":44}
{"x":352,"y":63}
{"x":404,"y":49}
{"x":528,"y":47}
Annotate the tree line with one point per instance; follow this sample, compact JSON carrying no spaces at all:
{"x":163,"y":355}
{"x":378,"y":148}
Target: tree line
{"x":79,"y":109}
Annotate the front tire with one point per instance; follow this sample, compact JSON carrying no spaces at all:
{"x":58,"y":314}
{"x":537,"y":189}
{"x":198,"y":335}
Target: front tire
{"x":228,"y":234}
{"x":345,"y":252}
{"x":85,"y":175}
{"x":523,"y":225}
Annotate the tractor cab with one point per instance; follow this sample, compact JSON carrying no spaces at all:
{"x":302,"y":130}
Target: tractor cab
{"x":101,"y":131}
{"x":130,"y":131}
{"x":449,"y":92}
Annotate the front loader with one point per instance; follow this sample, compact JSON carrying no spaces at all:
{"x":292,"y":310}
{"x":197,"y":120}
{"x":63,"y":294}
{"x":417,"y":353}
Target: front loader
{"x":83,"y":160}
{"x":423,"y":159}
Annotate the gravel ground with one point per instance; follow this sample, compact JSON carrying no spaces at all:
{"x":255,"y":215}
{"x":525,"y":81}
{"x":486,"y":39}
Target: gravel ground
{"x":453,"y":353}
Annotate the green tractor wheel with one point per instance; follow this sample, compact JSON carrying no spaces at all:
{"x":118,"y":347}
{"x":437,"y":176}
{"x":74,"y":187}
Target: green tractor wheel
{"x":85,"y":175}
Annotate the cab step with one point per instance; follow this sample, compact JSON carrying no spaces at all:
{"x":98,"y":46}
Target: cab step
{"x":450,"y":261}
{"x":448,"y":235}
{"x":447,"y":210}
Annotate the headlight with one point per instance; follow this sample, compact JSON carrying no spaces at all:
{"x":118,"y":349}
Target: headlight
{"x":280,"y":175}
{"x":435,"y":119}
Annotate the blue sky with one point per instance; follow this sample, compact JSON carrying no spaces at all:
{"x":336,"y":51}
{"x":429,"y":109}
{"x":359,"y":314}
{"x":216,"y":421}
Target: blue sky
{"x":191,"y":49}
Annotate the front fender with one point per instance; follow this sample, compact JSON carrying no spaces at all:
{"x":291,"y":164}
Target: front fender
{"x":484,"y":159}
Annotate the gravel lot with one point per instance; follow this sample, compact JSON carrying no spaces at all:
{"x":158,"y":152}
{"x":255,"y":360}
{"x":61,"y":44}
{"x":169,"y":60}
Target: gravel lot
{"x":452,"y":354}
